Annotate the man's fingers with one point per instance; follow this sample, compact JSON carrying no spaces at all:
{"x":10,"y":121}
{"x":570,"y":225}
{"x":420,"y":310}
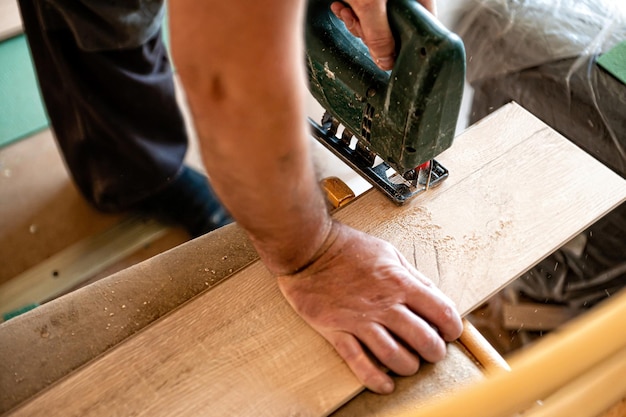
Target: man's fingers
{"x":436,"y":308}
{"x":348,"y":17}
{"x":377,"y":35}
{"x":368,"y":20}
{"x":416,"y":333}
{"x":414,"y":271}
{"x":430,"y":5}
{"x":431,"y":303}
{"x":351,"y":351}
{"x":388,"y":351}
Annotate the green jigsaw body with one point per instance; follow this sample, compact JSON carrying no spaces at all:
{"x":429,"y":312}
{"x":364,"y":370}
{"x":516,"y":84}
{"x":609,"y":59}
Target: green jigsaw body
{"x":406,"y":116}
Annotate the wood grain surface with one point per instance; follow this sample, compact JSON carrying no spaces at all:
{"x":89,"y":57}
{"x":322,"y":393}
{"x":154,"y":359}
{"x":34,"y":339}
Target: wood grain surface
{"x":517,"y":191}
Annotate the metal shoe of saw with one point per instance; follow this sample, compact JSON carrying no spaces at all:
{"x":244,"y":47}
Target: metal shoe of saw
{"x":406,"y":116}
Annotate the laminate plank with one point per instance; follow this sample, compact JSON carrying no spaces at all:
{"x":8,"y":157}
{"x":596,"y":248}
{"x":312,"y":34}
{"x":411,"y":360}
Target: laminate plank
{"x":517,"y":191}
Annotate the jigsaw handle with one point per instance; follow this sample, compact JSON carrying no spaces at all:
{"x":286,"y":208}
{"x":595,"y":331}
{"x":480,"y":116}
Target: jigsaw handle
{"x":411,"y":25}
{"x":412,"y":109}
{"x":331,"y":44}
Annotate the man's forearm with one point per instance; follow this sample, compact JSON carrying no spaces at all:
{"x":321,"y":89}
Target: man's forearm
{"x":241,"y":64}
{"x":247,"y":97}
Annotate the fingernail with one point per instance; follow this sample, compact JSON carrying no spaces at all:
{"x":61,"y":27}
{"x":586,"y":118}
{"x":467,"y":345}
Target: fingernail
{"x":348,"y":21}
{"x":386,"y":62}
{"x":387,"y":388}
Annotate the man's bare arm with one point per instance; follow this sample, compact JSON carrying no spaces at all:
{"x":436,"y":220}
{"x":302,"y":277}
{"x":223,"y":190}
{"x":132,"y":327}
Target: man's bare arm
{"x":241,"y":63}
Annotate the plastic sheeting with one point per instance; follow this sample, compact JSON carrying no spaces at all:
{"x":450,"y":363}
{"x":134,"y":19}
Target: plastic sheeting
{"x":508,"y":36}
{"x":542,"y":54}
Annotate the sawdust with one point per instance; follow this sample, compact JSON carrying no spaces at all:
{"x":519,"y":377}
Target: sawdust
{"x":44,"y":333}
{"x":437,"y":252}
{"x":475,"y":243}
{"x":329,"y":73}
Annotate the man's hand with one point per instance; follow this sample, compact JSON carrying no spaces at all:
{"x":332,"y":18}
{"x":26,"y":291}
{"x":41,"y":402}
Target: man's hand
{"x":367,"y":19}
{"x":358,"y":289}
{"x":361,"y":293}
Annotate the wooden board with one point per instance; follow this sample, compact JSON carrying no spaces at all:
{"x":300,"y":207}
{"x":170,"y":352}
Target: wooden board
{"x":78,"y":263}
{"x":517,"y":191}
{"x":33,"y":200}
{"x":70,"y":329}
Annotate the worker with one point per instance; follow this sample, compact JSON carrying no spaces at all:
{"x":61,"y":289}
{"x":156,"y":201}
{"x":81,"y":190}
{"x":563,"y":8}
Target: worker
{"x":107,"y":85}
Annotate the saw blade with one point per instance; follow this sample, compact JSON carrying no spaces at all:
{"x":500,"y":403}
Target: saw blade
{"x":400,"y":188}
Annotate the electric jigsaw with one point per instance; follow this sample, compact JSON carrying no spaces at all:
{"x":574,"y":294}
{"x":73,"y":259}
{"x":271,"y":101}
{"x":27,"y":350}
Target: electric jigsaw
{"x":394,"y":122}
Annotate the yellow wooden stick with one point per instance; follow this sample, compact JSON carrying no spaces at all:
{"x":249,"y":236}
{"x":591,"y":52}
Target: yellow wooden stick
{"x":481,"y":349}
{"x":542,"y":369}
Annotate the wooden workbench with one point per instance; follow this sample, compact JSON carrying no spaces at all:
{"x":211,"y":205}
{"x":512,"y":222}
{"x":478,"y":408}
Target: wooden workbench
{"x":132,"y":344}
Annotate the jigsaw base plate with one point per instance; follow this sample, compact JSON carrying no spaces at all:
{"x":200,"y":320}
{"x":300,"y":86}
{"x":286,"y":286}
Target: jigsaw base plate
{"x":381,"y":175}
